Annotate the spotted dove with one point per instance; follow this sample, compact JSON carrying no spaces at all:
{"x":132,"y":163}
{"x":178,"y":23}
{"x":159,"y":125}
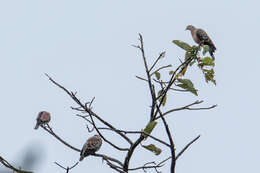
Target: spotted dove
{"x":92,"y":145}
{"x":202,"y":38}
{"x":42,"y":118}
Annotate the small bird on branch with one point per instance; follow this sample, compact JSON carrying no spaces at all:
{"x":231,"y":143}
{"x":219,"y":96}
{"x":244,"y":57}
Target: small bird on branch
{"x":92,"y":145}
{"x":202,"y":38}
{"x":42,"y":118}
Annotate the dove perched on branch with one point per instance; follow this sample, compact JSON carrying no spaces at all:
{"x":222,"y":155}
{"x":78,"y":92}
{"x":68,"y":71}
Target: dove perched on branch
{"x":42,"y":118}
{"x":201,"y":37}
{"x":92,"y":145}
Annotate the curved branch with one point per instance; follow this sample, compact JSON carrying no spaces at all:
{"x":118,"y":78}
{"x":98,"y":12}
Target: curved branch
{"x":187,"y":107}
{"x":170,"y":139}
{"x":138,"y":132}
{"x":108,"y":158}
{"x":68,"y":168}
{"x":73,"y":96}
{"x":8,"y":165}
{"x":186,"y":147}
{"x":50,"y":131}
{"x":113,"y":145}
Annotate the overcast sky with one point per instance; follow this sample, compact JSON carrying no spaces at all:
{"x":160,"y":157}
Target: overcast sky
{"x":86,"y":46}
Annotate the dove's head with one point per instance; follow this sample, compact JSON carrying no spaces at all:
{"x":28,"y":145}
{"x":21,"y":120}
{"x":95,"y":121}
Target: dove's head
{"x":190,"y":27}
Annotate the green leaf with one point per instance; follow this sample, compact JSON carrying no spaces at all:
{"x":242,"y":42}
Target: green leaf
{"x":205,"y":49}
{"x":195,"y":49}
{"x":164,"y":99}
{"x":149,"y":128}
{"x":153,"y":149}
{"x":209,"y":75}
{"x":171,"y":72}
{"x":182,"y":45}
{"x":158,"y":75}
{"x":188,"y":55}
{"x":182,"y":73}
{"x":192,"y":62}
{"x":187,"y":84}
{"x":207,"y":61}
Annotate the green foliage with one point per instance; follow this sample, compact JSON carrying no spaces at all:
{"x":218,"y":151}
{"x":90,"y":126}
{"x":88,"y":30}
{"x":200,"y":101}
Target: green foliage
{"x":153,"y":149}
{"x":157,"y":75}
{"x":171,"y":72}
{"x":188,"y":85}
{"x":188,"y":55}
{"x":205,"y":49}
{"x":149,"y":128}
{"x":182,"y":45}
{"x":192,"y":56}
{"x":182,"y":73}
{"x":209,"y":75}
{"x":164,"y":98}
{"x":207,"y":61}
{"x":196,"y":48}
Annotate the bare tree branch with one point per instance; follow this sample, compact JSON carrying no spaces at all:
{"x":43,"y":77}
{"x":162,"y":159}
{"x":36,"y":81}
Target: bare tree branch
{"x":138,"y":77}
{"x":170,"y":139}
{"x":50,"y":131}
{"x":181,"y":152}
{"x":139,"y":132}
{"x":186,"y":147}
{"x":109,"y":159}
{"x":68,"y":168}
{"x":161,"y":55}
{"x":163,"y":67}
{"x":187,"y":107}
{"x":89,"y":111}
{"x":141,"y":47}
{"x":8,"y":165}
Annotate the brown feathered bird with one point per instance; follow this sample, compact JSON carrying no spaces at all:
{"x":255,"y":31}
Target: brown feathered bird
{"x":42,"y":118}
{"x":202,"y":38}
{"x":92,"y":145}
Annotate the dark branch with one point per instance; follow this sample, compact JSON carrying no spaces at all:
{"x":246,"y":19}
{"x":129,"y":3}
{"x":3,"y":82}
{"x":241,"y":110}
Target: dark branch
{"x":163,"y":67}
{"x":141,"y":47}
{"x":186,"y":147}
{"x":8,"y":165}
{"x":187,"y":107}
{"x":50,"y":131}
{"x":89,"y":111}
{"x":139,"y":132}
{"x":170,"y":139}
{"x":68,"y":168}
{"x":161,"y":55}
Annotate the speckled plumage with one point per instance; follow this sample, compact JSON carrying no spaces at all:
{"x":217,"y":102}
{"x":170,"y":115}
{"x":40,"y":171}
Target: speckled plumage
{"x":92,"y":145}
{"x":201,"y":37}
{"x":42,"y":118}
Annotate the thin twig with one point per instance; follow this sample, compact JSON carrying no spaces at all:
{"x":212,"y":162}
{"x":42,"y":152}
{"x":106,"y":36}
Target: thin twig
{"x":138,"y":132}
{"x":8,"y":165}
{"x":161,"y":55}
{"x":68,"y":168}
{"x":102,"y":136}
{"x":50,"y":131}
{"x":163,"y":67}
{"x":141,"y":47}
{"x":138,"y":77}
{"x":89,"y":111}
{"x":186,"y":147}
{"x":187,"y":107}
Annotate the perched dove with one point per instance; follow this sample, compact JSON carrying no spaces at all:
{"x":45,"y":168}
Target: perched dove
{"x":92,"y":145}
{"x":201,"y":37}
{"x":42,"y":118}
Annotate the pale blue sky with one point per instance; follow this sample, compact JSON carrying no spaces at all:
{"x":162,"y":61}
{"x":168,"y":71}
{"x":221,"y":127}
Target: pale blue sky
{"x":86,"y":46}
